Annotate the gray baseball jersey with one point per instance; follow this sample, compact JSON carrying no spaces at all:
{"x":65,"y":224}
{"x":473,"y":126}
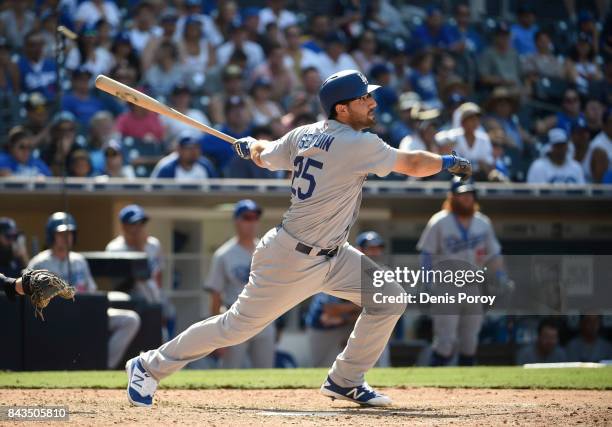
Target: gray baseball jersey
{"x":330,"y":162}
{"x":80,"y":276}
{"x":445,"y":235}
{"x":229,"y":270}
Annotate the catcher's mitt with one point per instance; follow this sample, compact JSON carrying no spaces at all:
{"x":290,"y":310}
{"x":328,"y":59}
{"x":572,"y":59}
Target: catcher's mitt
{"x":42,"y":286}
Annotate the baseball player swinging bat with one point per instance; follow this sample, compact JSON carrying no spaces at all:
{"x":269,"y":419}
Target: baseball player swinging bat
{"x":136,"y":97}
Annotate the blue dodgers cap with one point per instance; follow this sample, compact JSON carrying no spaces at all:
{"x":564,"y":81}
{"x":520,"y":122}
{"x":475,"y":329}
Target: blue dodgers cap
{"x":131,"y":214}
{"x":344,"y":86}
{"x":246,"y":205}
{"x":557,"y":136}
{"x":579,"y":124}
{"x":187,"y":139}
{"x":369,"y":239}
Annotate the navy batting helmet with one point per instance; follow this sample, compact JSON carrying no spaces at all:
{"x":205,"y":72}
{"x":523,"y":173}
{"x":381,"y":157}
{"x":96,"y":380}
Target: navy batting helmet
{"x":368,"y":239}
{"x":8,"y":227}
{"x":343,"y":86}
{"x":57,"y":223}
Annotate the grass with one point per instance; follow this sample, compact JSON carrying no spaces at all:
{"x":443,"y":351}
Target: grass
{"x":475,"y":377}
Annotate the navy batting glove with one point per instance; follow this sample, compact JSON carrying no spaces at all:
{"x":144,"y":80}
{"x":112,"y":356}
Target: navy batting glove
{"x":242,"y":147}
{"x":457,"y":166}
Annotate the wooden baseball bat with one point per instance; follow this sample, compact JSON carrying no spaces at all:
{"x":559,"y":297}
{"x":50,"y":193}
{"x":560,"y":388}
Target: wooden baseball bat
{"x":136,"y":97}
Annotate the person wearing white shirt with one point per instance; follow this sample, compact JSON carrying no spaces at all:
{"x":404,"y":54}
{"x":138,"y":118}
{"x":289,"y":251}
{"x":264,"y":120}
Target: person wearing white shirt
{"x":144,"y":27}
{"x":253,"y":51}
{"x":600,"y":150}
{"x":556,"y":167}
{"x":180,"y":100}
{"x":334,"y":58}
{"x":469,"y":140}
{"x":91,"y":11}
{"x":276,"y":12}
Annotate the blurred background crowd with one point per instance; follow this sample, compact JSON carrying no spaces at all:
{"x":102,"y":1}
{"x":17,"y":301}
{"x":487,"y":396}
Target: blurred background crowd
{"x":520,"y":88}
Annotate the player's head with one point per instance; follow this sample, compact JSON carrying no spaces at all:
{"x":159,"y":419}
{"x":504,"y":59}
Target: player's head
{"x":133,"y":220}
{"x":61,"y":231}
{"x":346,"y":96}
{"x":246,"y":218}
{"x":461,"y":199}
{"x":371,"y":244}
{"x":8,"y":232}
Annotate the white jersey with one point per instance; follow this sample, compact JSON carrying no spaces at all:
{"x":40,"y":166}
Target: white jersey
{"x":481,"y":151}
{"x":445,"y":235}
{"x":229,"y":270}
{"x":544,"y":171}
{"x":80,"y":275}
{"x":330,"y":163}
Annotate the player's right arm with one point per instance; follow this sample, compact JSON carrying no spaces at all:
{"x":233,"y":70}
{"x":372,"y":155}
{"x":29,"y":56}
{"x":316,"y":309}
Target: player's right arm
{"x":271,"y":155}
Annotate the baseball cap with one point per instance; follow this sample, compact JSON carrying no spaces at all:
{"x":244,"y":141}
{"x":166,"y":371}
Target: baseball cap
{"x":378,"y":70}
{"x":579,"y":124}
{"x":35,"y":101}
{"x":585,"y":15}
{"x":232,"y":71}
{"x":8,"y":227}
{"x":180,"y":88}
{"x":369,"y":239}
{"x":246,"y":205}
{"x":407,"y":100}
{"x":113,"y":145}
{"x":168,"y":15}
{"x":557,"y":136}
{"x":131,"y":214}
{"x":81,"y":71}
{"x":460,"y":187}
{"x":63,"y":116}
{"x":468,"y":109}
{"x":187,"y":139}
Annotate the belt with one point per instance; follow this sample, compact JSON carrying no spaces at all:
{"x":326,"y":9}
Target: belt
{"x":305,"y":249}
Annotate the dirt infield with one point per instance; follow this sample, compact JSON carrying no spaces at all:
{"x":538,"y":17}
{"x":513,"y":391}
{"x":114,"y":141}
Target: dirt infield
{"x":422,"y":406}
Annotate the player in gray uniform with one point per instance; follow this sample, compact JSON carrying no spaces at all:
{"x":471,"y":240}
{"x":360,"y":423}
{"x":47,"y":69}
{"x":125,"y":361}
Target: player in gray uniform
{"x":60,"y":232}
{"x":308,"y":252}
{"x":459,"y":232}
{"x":229,"y":272}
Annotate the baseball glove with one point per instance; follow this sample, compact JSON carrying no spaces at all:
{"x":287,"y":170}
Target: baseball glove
{"x":42,"y":286}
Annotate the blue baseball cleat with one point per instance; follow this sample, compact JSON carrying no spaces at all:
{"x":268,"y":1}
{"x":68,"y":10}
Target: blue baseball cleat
{"x":363,"y":395}
{"x":141,"y":386}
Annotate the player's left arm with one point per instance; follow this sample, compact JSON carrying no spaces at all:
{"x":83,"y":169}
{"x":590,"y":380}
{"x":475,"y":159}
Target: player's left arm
{"x":420,"y":164}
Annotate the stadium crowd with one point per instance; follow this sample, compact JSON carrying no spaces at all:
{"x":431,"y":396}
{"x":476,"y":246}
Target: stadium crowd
{"x":524,"y":96}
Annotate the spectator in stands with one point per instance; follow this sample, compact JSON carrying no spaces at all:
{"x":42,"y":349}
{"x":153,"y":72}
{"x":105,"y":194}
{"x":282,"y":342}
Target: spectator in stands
{"x":589,"y":346}
{"x":134,"y":237}
{"x":546,"y":349}
{"x":232,"y":86}
{"x":246,"y":169}
{"x":386,"y":98}
{"x":502,"y":164}
{"x":88,"y":54}
{"x":18,"y":160}
{"x":405,"y":125}
{"x":556,"y":167}
{"x":425,"y":122}
{"x":238,"y":124}
{"x":334,"y":58}
{"x":470,"y":140}
{"x":276,"y":12}
{"x":297,"y":57}
{"x":311,"y":82}
{"x":71,"y":266}
{"x":168,"y":28}
{"x":80,"y":101}
{"x":543,"y":62}
{"x":91,"y":11}
{"x":101,"y":130}
{"x":593,"y":114}
{"x":227,"y":16}
{"x":114,"y":166}
{"x":275,"y":69}
{"x":141,"y":124}
{"x":522,"y":33}
{"x":48,"y":24}
{"x":167,"y":71}
{"x":385,"y":19}
{"x":105,"y":34}
{"x":63,"y":139}
{"x":238,"y":42}
{"x":37,"y":118}
{"x":143,"y":25}
{"x":581,"y":65}
{"x":600,"y":150}
{"x":570,"y":110}
{"x":264,"y":109}
{"x":499,"y":65}
{"x":13,"y":253}
{"x":502,"y":106}
{"x":462,"y":37}
{"x":186,"y":163}
{"x":180,"y":100}
{"x":196,"y":54}
{"x":423,"y":80}
{"x":319,"y":27}
{"x":37,"y":72}
{"x":579,"y":146}
{"x":125,"y":55}
{"x":10,"y":80}
{"x":79,"y":164}
{"x":432,"y":33}
{"x":366,"y":54}
{"x":16,"y":22}
{"x":400,"y":71}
